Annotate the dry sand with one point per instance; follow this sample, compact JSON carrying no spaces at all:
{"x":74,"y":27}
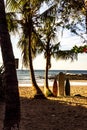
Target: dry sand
{"x":61,"y":113}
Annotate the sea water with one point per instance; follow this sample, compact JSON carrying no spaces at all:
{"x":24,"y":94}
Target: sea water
{"x":25,"y":80}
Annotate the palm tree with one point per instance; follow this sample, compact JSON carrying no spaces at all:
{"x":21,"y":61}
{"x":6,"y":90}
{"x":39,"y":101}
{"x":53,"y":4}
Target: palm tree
{"x":48,"y":30}
{"x":50,"y":45}
{"x":12,"y":108}
{"x":27,"y":20}
{"x":30,"y":32}
{"x":28,"y":10}
{"x":46,"y":34}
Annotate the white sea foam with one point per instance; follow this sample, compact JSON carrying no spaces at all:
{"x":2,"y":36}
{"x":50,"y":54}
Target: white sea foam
{"x":77,"y":83}
{"x":72,"y":83}
{"x":25,"y":80}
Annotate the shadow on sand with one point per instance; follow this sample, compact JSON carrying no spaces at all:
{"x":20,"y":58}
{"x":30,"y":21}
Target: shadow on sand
{"x":39,"y":114}
{"x":49,"y":114}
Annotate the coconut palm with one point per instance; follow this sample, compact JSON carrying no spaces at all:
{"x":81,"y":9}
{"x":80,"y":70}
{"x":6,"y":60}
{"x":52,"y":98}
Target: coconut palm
{"x":36,"y":38}
{"x":28,"y":18}
{"x":50,"y":44}
{"x":49,"y":32}
{"x":28,"y":10}
{"x":46,"y":34}
{"x":12,"y":109}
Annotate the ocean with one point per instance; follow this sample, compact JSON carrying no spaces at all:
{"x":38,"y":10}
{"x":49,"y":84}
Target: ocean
{"x":25,"y":80}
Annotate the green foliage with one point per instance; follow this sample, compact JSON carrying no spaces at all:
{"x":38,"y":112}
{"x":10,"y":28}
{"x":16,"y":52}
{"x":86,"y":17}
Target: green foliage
{"x":12,"y":22}
{"x":29,"y":11}
{"x":80,"y":49}
{"x":47,"y":32}
{"x":11,"y":5}
{"x":66,"y":14}
{"x":72,"y":15}
{"x":23,"y":45}
{"x":67,"y":54}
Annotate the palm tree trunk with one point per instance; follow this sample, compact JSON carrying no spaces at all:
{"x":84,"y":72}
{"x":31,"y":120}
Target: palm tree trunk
{"x":38,"y":92}
{"x":46,"y":86}
{"x":46,"y":74}
{"x":12,"y":107}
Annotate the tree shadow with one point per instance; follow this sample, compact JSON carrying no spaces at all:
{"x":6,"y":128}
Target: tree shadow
{"x":2,"y":113}
{"x":42,"y":114}
{"x":51,"y":114}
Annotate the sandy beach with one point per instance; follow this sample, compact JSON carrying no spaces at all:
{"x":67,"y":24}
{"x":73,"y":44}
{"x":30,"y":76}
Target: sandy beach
{"x":60,"y":113}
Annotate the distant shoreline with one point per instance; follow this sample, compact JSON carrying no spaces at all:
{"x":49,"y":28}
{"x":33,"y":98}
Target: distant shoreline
{"x":25,"y":80}
{"x":76,"y":76}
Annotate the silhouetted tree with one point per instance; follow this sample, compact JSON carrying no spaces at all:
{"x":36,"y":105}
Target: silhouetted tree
{"x":12,"y":107}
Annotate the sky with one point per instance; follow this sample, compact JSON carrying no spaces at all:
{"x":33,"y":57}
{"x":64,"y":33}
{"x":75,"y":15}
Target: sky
{"x":67,"y":42}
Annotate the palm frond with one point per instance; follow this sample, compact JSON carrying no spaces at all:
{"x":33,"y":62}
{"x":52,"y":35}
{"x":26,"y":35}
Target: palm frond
{"x":12,"y":22}
{"x":11,"y":5}
{"x":48,"y":12}
{"x":65,"y":55}
{"x":23,"y":45}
